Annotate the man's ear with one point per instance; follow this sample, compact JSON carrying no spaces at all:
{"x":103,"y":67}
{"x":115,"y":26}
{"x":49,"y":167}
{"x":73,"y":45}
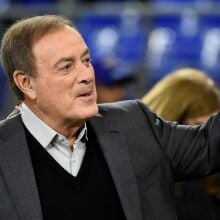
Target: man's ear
{"x":24,"y":83}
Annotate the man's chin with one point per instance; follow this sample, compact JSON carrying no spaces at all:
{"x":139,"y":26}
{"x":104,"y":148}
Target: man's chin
{"x":89,"y":112}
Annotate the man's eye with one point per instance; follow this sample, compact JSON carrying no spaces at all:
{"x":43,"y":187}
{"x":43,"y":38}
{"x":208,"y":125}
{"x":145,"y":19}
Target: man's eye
{"x":87,"y":61}
{"x":66,"y":67}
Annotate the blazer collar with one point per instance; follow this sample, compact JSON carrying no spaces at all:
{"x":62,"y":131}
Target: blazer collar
{"x":16,"y":167}
{"x":114,"y":147}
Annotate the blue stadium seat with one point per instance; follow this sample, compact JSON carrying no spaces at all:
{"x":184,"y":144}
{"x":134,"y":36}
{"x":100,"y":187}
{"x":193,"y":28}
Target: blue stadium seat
{"x":161,"y":56}
{"x":133,"y":33}
{"x":210,"y":21}
{"x":183,"y":1}
{"x":173,"y":1}
{"x":210,"y":55}
{"x":30,"y":2}
{"x":175,"y":42}
{"x":111,"y":35}
{"x":100,"y":33}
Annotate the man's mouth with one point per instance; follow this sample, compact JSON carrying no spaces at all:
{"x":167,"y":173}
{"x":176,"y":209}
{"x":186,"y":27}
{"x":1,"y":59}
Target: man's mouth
{"x":85,"y":94}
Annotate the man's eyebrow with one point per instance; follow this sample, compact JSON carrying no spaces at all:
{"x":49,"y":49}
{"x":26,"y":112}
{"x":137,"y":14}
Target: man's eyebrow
{"x":85,"y":52}
{"x":70,"y":59}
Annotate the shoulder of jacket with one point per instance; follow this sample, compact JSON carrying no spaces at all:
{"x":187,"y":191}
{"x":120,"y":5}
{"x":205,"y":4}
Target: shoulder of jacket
{"x":10,"y":127}
{"x":121,"y":105}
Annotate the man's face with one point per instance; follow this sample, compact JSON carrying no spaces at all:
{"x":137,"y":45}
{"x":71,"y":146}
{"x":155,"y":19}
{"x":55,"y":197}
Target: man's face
{"x":64,"y":84}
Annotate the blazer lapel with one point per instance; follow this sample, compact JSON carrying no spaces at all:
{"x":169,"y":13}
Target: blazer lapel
{"x":15,"y":163}
{"x":115,"y":150}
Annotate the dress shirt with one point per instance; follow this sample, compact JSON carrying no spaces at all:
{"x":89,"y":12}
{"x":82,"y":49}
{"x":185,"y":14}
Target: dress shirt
{"x":54,"y":143}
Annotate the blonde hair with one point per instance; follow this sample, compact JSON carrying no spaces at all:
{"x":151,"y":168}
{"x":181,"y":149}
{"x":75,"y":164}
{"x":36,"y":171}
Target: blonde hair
{"x":182,"y":94}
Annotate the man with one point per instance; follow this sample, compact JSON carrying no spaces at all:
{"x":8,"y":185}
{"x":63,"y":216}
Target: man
{"x":62,"y":157}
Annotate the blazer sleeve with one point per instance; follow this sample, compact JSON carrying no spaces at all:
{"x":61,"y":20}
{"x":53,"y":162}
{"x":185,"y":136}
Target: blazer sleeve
{"x":194,"y":151}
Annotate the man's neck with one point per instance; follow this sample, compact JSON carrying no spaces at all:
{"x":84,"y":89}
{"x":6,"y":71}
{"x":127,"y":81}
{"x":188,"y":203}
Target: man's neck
{"x":67,"y":128}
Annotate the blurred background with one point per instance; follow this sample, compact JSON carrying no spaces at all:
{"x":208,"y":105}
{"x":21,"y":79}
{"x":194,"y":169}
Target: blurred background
{"x":148,"y":39}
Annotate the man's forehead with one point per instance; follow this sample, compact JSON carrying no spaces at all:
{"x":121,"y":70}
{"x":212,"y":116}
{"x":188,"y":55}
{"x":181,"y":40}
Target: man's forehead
{"x":59,"y":46}
{"x":59,"y":37}
{"x":55,"y":32}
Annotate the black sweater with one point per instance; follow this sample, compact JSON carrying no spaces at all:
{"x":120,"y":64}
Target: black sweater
{"x":91,"y":195}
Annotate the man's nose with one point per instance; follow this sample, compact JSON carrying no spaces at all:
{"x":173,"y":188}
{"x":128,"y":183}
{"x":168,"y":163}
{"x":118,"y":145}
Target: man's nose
{"x":86,"y":81}
{"x":86,"y":74}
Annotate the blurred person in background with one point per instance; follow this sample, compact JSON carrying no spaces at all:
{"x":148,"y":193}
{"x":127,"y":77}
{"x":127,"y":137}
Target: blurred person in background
{"x":189,"y":97}
{"x":112,"y":79}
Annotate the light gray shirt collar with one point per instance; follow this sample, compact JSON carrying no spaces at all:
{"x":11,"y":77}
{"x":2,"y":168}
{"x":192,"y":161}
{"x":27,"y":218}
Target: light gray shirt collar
{"x":39,"y":129}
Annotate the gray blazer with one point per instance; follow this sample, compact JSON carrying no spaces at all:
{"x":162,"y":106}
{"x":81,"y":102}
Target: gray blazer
{"x":145,"y":156}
